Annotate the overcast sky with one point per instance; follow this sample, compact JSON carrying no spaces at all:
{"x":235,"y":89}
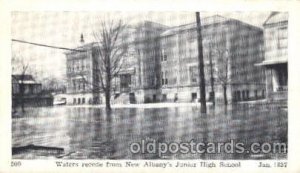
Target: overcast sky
{"x":64,"y":29}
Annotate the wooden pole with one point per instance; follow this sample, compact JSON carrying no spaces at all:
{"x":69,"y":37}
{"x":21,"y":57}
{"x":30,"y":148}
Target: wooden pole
{"x":201,"y":65}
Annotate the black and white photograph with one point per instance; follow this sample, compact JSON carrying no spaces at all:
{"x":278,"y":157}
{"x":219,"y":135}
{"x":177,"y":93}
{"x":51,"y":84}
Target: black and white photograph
{"x":149,"y":85}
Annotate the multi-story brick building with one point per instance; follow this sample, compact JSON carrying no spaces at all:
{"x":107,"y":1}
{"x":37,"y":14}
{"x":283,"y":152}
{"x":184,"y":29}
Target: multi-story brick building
{"x":162,"y":64}
{"x":82,"y":80}
{"x":147,"y":46}
{"x":230,"y":49}
{"x":276,"y":56}
{"x":138,"y":79}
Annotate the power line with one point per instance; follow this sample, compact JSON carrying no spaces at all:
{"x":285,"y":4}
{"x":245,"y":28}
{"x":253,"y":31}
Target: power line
{"x":44,"y":45}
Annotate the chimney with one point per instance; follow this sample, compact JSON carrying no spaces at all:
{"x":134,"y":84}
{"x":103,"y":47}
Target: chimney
{"x":81,"y":39}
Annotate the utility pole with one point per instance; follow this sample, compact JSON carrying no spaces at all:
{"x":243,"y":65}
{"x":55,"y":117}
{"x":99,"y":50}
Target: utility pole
{"x":201,"y":65}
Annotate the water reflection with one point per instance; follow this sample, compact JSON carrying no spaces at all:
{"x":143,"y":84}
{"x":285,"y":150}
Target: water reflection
{"x":92,"y":133}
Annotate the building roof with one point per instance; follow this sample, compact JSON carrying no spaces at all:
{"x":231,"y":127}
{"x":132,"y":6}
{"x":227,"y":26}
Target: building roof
{"x":83,"y":48}
{"x":151,"y":24}
{"x":276,"y":17}
{"x":273,"y":62}
{"x":215,"y":19}
{"x":25,"y":79}
{"x":204,"y":21}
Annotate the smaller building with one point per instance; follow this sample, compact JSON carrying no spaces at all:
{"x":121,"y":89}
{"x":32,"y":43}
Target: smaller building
{"x":26,"y":91}
{"x":276,"y":57}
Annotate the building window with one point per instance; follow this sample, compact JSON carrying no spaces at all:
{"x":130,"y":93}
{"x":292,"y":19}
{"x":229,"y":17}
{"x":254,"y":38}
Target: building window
{"x":164,"y":81}
{"x":79,"y":101}
{"x":194,"y":97}
{"x":74,"y":100}
{"x":165,"y":57}
{"x":282,"y":37}
{"x":83,"y":100}
{"x":282,"y":75}
{"x":247,"y":92}
{"x":74,"y":85}
{"x":193,"y":74}
{"x":238,"y":95}
{"x":82,"y":64}
{"x":154,"y":98}
{"x":164,"y":97}
{"x":175,"y":97}
{"x":125,"y":82}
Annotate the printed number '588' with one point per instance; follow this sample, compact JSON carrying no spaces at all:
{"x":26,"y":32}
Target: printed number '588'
{"x":16,"y":164}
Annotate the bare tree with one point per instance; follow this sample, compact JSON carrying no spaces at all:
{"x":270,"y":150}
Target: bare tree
{"x":111,"y":49}
{"x":52,"y":84}
{"x":222,"y":71}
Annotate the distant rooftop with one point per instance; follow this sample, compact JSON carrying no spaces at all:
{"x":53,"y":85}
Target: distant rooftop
{"x":25,"y":79}
{"x":276,"y":17}
{"x":83,"y":47}
{"x":150,"y":24}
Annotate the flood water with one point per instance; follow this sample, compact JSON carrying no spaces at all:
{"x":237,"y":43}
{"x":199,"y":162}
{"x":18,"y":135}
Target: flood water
{"x":91,"y":133}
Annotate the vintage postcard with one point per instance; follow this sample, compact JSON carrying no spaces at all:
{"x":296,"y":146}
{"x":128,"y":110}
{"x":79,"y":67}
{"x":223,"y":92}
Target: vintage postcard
{"x":186,"y":89}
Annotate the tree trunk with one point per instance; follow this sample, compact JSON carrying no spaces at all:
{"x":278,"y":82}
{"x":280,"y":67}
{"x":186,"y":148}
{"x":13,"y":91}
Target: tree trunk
{"x":107,"y":100}
{"x":108,"y":83}
{"x":22,"y":90}
{"x":225,"y":95}
{"x":22,"y":104}
{"x":212,"y":96}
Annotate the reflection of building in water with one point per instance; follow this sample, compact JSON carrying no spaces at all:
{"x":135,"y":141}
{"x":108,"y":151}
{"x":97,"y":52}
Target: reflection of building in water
{"x":162,"y":64}
{"x":276,"y":56}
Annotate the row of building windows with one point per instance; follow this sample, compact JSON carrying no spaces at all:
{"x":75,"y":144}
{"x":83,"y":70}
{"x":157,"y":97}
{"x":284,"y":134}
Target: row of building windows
{"x":79,"y":100}
{"x":78,"y":68}
{"x":245,"y":95}
{"x":164,"y":81}
{"x":83,"y":100}
{"x":78,"y":85}
{"x":163,"y":58}
{"x":78,"y":65}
